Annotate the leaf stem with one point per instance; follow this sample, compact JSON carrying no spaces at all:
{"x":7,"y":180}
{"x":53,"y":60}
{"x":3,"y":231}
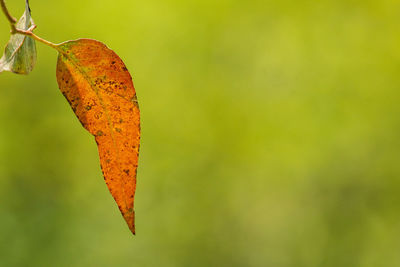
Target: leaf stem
{"x":29,"y":32}
{"x":34,"y":36}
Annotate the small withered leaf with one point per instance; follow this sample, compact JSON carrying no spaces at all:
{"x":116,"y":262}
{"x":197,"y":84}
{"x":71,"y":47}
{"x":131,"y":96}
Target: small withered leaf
{"x":20,"y":52}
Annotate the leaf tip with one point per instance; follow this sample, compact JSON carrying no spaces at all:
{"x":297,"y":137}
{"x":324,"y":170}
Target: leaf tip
{"x":130,"y":220}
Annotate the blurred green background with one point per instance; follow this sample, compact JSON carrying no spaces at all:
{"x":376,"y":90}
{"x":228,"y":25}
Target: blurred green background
{"x":270,"y":137}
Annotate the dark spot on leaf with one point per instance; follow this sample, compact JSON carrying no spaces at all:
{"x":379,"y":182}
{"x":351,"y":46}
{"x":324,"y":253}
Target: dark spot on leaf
{"x":98,"y":115}
{"x":127,"y":172}
{"x":99,"y":133}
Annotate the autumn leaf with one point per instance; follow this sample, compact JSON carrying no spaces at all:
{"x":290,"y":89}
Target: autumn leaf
{"x":20,"y":53}
{"x":99,"y":89}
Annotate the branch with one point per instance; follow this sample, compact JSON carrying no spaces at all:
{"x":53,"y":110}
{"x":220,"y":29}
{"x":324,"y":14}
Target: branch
{"x":10,"y":18}
{"x":28,"y":32}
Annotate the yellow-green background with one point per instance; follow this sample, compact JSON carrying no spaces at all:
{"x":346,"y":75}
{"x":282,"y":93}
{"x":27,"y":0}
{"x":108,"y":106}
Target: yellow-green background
{"x":270,"y":137}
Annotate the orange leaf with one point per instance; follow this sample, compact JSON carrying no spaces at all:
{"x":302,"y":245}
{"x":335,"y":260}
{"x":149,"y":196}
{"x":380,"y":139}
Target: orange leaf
{"x":99,"y":89}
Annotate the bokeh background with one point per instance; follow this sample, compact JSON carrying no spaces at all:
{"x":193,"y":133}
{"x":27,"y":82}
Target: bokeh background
{"x":270,"y":137}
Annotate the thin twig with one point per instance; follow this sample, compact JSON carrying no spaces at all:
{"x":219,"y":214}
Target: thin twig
{"x":10,"y":18}
{"x":28,"y":32}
